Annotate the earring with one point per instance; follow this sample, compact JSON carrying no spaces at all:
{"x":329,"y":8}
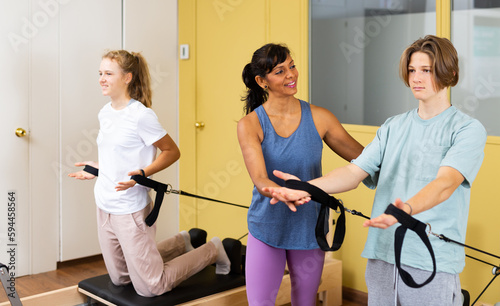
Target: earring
{"x":265,"y":87}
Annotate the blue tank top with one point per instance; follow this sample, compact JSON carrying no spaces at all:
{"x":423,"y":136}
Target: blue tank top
{"x":299,"y":154}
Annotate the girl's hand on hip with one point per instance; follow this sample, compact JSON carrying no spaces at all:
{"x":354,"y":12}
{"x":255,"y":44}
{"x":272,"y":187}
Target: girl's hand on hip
{"x":125,"y":185}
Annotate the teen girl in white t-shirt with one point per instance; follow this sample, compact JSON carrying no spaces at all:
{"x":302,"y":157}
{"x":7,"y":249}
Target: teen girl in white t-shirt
{"x":129,"y":138}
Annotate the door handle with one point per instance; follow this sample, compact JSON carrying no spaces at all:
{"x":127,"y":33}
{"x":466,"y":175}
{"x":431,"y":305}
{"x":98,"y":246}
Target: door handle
{"x":199,"y":125}
{"x":20,"y":132}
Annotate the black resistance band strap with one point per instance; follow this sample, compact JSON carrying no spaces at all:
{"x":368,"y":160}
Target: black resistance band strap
{"x":91,"y":170}
{"x":326,"y":201}
{"x":184,"y":193}
{"x":408,"y":222}
{"x":160,"y":189}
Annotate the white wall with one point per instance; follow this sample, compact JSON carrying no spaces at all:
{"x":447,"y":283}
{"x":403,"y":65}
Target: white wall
{"x":86,"y":30}
{"x":44,"y":140}
{"x":156,"y":37}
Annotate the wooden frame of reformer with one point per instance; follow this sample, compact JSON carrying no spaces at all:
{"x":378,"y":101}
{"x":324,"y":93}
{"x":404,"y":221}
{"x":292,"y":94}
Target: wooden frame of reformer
{"x":330,"y":291}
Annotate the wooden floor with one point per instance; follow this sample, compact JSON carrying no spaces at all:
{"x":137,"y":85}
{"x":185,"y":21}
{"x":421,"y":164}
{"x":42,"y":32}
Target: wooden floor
{"x":67,"y":274}
{"x":72,"y":272}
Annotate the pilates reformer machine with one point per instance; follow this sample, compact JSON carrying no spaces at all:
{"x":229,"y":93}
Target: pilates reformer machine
{"x":330,"y":202}
{"x":8,"y":283}
{"x":202,"y":284}
{"x":208,"y":288}
{"x":205,"y":287}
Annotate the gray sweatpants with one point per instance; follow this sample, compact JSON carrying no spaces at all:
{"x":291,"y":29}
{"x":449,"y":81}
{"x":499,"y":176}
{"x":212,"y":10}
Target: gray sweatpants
{"x":385,"y":289}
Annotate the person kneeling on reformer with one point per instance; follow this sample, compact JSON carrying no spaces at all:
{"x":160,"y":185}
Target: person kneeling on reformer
{"x":129,"y":137}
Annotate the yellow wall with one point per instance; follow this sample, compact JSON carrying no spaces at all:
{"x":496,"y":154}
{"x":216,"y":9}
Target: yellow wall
{"x":222,"y":36}
{"x":483,"y":229}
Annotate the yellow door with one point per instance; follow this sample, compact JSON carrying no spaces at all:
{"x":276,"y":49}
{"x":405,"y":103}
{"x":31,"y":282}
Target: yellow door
{"x":222,"y":35}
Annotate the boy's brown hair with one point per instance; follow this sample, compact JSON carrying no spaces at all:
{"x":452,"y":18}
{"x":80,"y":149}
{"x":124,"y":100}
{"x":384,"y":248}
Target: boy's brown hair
{"x":443,"y":56}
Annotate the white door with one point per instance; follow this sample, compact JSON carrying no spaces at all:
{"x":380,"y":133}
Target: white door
{"x":15,"y":84}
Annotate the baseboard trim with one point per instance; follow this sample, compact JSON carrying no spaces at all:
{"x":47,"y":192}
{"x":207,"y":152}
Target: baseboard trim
{"x":354,"y":295}
{"x":77,"y":261}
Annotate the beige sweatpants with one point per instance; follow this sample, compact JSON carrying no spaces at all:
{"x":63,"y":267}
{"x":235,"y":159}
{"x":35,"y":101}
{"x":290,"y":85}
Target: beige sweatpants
{"x":131,"y":254}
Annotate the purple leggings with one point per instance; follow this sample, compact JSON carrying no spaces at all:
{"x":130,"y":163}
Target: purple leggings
{"x":265,"y":267}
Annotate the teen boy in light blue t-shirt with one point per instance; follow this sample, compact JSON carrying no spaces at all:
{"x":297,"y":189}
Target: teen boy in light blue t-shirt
{"x":424,"y":161}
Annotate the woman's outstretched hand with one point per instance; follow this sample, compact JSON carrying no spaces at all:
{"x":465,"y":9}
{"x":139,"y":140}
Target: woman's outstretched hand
{"x":291,"y":197}
{"x":83,"y":175}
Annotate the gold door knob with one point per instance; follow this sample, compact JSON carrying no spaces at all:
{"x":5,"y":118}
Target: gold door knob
{"x":199,"y":125}
{"x":20,"y":132}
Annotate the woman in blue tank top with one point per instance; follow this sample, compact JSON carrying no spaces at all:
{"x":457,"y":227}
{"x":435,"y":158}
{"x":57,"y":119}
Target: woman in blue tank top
{"x":282,"y":132}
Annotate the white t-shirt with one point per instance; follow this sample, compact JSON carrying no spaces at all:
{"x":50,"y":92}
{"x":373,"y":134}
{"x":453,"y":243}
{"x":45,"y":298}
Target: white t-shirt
{"x":125,"y":143}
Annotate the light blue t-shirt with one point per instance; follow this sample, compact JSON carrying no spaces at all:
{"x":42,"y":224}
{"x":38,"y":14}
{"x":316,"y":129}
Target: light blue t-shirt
{"x":405,"y":156}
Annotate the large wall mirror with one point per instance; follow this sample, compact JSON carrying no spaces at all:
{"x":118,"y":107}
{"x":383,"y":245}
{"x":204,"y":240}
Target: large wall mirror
{"x":355,"y":51}
{"x":356,"y":46}
{"x":475,"y":31}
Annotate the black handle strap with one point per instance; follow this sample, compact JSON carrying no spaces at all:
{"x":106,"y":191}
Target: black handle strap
{"x":408,"y":222}
{"x":160,"y":189}
{"x":326,"y":202}
{"x":91,"y":170}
